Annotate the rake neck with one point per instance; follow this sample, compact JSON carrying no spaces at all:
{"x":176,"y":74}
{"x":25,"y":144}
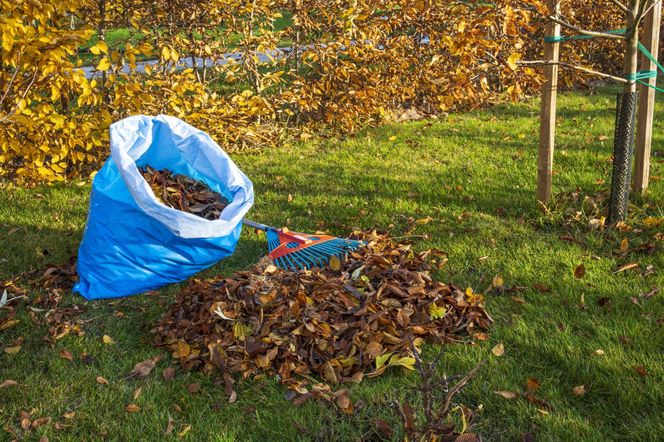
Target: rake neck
{"x":256,"y":225}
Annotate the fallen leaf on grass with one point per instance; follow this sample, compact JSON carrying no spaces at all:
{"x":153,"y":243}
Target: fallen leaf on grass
{"x":69,"y":415}
{"x":169,"y":424}
{"x":101,"y":380}
{"x":580,"y":390}
{"x":168,"y":373}
{"x":9,"y":324}
{"x":480,"y":336}
{"x":3,"y":298}
{"x":40,"y":422}
{"x":107,"y":340}
{"x":8,"y":383}
{"x":625,"y":267}
{"x":193,"y":388}
{"x":640,"y":369}
{"x":508,"y":394}
{"x":624,"y":246}
{"x":518,"y":300}
{"x":579,"y":271}
{"x":66,"y":354}
{"x":532,"y":385}
{"x":498,"y":349}
{"x":598,"y":352}
{"x":497,"y":281}
{"x":383,"y":429}
{"x":132,"y":408}
{"x":649,"y":294}
{"x":13,"y":350}
{"x":142,"y":369}
{"x":185,"y":431}
{"x":541,"y":287}
{"x":137,"y":393}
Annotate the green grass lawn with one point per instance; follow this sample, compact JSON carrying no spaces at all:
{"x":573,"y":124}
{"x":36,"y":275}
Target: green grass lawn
{"x":474,"y":174}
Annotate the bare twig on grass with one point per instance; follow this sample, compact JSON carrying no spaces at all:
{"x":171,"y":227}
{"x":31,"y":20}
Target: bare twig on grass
{"x":436,"y":410}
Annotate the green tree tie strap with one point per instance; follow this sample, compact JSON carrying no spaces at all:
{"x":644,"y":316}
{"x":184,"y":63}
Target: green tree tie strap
{"x":639,"y":76}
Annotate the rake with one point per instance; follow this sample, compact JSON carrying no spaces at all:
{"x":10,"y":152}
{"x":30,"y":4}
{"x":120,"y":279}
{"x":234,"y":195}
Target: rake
{"x":301,"y":251}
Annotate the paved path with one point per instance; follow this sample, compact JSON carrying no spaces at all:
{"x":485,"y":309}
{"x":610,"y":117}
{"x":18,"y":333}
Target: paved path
{"x":186,"y":62}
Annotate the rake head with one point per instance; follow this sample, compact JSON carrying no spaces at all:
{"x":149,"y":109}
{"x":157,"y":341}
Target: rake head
{"x":300,"y":251}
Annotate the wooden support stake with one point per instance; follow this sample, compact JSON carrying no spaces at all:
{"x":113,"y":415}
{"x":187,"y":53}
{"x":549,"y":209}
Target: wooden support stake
{"x":646,"y":102}
{"x":548,"y":110}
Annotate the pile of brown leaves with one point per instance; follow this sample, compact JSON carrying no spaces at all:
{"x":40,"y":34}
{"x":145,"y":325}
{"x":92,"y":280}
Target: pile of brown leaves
{"x":341,"y":324}
{"x":184,"y":193}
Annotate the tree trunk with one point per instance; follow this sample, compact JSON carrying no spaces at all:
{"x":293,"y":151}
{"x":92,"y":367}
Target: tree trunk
{"x":623,"y":144}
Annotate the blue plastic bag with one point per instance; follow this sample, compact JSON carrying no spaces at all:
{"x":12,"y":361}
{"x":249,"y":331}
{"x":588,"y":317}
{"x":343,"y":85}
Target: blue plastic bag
{"x":132,"y":242}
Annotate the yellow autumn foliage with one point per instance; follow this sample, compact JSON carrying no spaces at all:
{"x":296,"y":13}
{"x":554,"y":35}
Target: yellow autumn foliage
{"x":246,"y":72}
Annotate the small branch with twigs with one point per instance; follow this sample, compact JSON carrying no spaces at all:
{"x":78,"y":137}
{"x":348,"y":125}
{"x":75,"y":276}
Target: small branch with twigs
{"x":436,"y":409}
{"x":582,"y":31}
{"x":572,"y":66}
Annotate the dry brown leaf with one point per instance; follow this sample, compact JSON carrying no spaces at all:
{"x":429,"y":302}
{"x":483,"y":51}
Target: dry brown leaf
{"x":507,"y":394}
{"x":66,"y":354}
{"x":101,"y":380}
{"x":629,"y":266}
{"x":579,"y":271}
{"x":132,"y":408}
{"x":532,"y":385}
{"x":169,"y":425}
{"x":8,"y":383}
{"x":168,"y":374}
{"x":193,"y":388}
{"x":40,"y":422}
{"x":142,"y":369}
{"x":580,"y":390}
{"x":640,"y":369}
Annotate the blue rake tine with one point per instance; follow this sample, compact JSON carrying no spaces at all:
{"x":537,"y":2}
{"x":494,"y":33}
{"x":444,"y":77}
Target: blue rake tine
{"x":317,"y":259}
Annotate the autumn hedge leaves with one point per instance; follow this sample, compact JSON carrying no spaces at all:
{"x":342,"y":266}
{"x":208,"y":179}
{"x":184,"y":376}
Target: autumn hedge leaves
{"x":347,"y":64}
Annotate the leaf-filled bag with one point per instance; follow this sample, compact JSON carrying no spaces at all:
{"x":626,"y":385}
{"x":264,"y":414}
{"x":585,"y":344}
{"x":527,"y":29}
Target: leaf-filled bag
{"x":132,"y":242}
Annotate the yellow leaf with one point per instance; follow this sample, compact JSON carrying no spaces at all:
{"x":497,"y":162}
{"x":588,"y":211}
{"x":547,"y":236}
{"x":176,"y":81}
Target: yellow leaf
{"x":13,"y":350}
{"x":165,"y":53}
{"x":624,"y":245}
{"x":381,"y":359}
{"x":104,"y":64}
{"x":107,"y":340}
{"x":100,"y":47}
{"x":183,"y":350}
{"x":497,"y":281}
{"x":55,"y":93}
{"x":392,"y":138}
{"x":512,"y":60}
{"x":405,"y":362}
{"x":498,"y":349}
{"x":7,"y":41}
{"x":335,"y":263}
{"x":437,"y":312}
